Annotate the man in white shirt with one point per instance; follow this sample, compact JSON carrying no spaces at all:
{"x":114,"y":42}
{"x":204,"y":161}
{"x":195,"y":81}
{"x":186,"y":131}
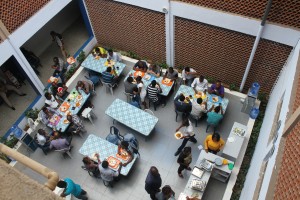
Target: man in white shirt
{"x":198,"y":107}
{"x":188,"y":134}
{"x":51,"y":101}
{"x":200,"y":84}
{"x":43,"y":140}
{"x":107,"y":174}
{"x":188,"y":75}
{"x":113,"y":56}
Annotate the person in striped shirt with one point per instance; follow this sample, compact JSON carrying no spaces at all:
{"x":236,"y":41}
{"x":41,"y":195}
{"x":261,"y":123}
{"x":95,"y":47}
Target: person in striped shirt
{"x":153,"y":91}
{"x":108,"y":77}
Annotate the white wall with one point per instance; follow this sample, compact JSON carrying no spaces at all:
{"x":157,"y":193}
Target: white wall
{"x":283,"y":86}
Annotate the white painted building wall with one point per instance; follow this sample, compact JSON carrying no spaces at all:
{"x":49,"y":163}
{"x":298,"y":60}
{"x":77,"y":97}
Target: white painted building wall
{"x":283,"y":86}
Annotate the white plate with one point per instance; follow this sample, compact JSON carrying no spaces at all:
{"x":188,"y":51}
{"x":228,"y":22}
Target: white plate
{"x":231,"y":139}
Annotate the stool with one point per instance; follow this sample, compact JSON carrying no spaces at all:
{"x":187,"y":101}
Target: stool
{"x":88,"y":113}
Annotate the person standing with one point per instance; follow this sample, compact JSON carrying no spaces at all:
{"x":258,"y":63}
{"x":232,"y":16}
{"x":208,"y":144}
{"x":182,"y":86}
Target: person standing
{"x":71,"y":188}
{"x":4,"y":88}
{"x":213,"y":143}
{"x":58,"y":39}
{"x":166,"y":193}
{"x":153,"y":182}
{"x":184,"y":160}
{"x":107,"y":174}
{"x":142,"y":91}
{"x":188,"y":135}
{"x":188,"y":75}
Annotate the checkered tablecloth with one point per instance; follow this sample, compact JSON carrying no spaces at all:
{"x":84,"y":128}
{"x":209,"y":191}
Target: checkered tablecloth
{"x":61,"y":125}
{"x":165,"y":89}
{"x":187,"y":91}
{"x":98,"y":65}
{"x":132,"y":117}
{"x":94,"y":144}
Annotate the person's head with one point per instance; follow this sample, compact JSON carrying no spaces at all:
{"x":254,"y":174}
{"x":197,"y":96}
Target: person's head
{"x":187,"y":69}
{"x":42,"y":132}
{"x":138,"y":79}
{"x":167,"y":191}
{"x":153,"y":83}
{"x":69,"y":118}
{"x":45,"y":109}
{"x":108,"y":69}
{"x":217,"y":109}
{"x":129,"y":79}
{"x":154,"y":171}
{"x":181,"y":97}
{"x":86,"y":160}
{"x":61,"y":184}
{"x":80,"y":84}
{"x":216,"y":137}
{"x":171,"y":70}
{"x":124,"y":145}
{"x":52,"y":33}
{"x":199,"y":100}
{"x":55,"y":60}
{"x":201,"y":78}
{"x":56,"y":135}
{"x":185,"y":122}
{"x":218,"y":84}
{"x":110,"y":52}
{"x":140,"y":64}
{"x":48,"y":95}
{"x":135,"y":90}
{"x":105,"y":164}
{"x":97,"y":50}
{"x":187,"y":150}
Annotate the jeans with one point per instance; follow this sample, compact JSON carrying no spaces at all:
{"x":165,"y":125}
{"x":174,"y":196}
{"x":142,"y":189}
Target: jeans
{"x":185,"y":140}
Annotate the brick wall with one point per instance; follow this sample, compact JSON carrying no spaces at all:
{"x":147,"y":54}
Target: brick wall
{"x":128,"y":28}
{"x":285,"y":12}
{"x":14,"y":13}
{"x":288,"y":180}
{"x":223,"y":54}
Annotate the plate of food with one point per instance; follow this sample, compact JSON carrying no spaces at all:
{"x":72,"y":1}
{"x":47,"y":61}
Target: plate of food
{"x":178,"y":135}
{"x":198,"y":95}
{"x":239,"y":131}
{"x":123,"y":155}
{"x":77,"y":104}
{"x":113,"y":162}
{"x":64,"y":107}
{"x":79,"y":98}
{"x":218,"y":161}
{"x":68,"y":113}
{"x":66,"y":121}
{"x":147,"y":77}
{"x":215,"y":99}
{"x":167,"y":80}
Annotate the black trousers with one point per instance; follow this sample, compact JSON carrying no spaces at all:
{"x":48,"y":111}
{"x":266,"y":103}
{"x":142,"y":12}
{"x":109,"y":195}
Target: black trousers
{"x":181,"y":168}
{"x":212,"y":151}
{"x":185,"y":140}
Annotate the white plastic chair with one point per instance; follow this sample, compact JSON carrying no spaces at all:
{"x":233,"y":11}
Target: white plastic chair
{"x":65,"y":151}
{"x":31,"y":124}
{"x":88,"y":113}
{"x":110,"y":87}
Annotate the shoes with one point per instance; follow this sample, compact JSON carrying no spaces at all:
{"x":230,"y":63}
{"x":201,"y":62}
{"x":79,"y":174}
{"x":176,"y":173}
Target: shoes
{"x":177,"y":153}
{"x":13,"y":108}
{"x":180,"y":175}
{"x":23,"y":94}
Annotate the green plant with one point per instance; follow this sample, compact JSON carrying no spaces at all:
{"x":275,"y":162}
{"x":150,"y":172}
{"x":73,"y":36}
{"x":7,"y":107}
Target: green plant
{"x":163,"y":65}
{"x":32,"y":113}
{"x":11,"y":142}
{"x":211,"y":79}
{"x":133,"y":55}
{"x":180,"y":68}
{"x":80,"y":58}
{"x":71,"y":71}
{"x":233,"y":87}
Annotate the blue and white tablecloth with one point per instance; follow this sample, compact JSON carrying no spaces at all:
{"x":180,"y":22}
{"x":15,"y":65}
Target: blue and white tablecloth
{"x":95,"y":144}
{"x":187,"y":91}
{"x":72,"y":96}
{"x":165,"y":89}
{"x":132,"y":117}
{"x":98,"y":65}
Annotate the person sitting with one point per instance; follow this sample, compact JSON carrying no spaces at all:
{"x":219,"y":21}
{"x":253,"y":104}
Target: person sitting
{"x":140,"y":66}
{"x":46,"y":114}
{"x":213,"y":143}
{"x":99,"y":51}
{"x":217,"y":89}
{"x":200,"y":84}
{"x":51,"y":100}
{"x":91,"y":166}
{"x":124,"y":145}
{"x":113,"y":56}
{"x":198,"y":107}
{"x":171,"y":73}
{"x":4,"y":88}
{"x":59,"y":90}
{"x":43,"y":140}
{"x":153,"y":91}
{"x":214,"y":117}
{"x":59,"y":67}
{"x":76,"y":125}
{"x":108,"y":175}
{"x":154,"y":70}
{"x":188,"y":75}
{"x":108,"y":77}
{"x":84,"y":86}
{"x":141,"y":90}
{"x":166,"y":193}
{"x":181,"y":106}
{"x":129,"y":85}
{"x":135,"y":100}
{"x":59,"y":143}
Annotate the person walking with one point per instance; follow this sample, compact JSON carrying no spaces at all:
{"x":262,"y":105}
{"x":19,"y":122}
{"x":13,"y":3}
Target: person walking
{"x":184,"y":160}
{"x":58,"y":39}
{"x":4,"y":88}
{"x":153,"y":182}
{"x":71,"y":188}
{"x":188,"y":134}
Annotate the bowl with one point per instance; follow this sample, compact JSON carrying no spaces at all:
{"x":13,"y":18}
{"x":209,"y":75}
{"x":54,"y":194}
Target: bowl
{"x":218,"y":161}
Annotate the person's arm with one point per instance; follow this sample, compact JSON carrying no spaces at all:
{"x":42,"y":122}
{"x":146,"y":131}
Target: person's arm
{"x":194,"y":83}
{"x":179,"y":127}
{"x":222,"y":92}
{"x":213,"y":106}
{"x":165,"y":75}
{"x":222,"y":143}
{"x":206,"y":144}
{"x":98,"y":158}
{"x":119,"y":149}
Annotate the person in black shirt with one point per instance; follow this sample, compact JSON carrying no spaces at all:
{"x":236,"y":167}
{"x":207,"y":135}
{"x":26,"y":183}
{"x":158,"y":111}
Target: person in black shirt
{"x":184,"y":160}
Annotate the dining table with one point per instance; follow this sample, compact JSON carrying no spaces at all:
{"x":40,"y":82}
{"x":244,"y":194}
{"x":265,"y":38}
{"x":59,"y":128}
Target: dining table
{"x":100,"y":64}
{"x":211,"y":99}
{"x":95,"y":144}
{"x":147,"y":79}
{"x":71,"y":106}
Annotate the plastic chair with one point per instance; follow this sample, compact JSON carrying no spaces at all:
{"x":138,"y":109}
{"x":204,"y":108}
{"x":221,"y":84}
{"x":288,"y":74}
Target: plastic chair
{"x":88,"y":113}
{"x":65,"y":151}
{"x":149,"y":111}
{"x":208,"y":125}
{"x":110,"y":87}
{"x":196,"y":118}
{"x":31,"y":124}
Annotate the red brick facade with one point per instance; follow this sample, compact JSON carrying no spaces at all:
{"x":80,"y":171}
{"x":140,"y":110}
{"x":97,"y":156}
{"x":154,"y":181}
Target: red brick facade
{"x":223,"y":54}
{"x":129,"y":28}
{"x":285,"y":12}
{"x":14,"y":13}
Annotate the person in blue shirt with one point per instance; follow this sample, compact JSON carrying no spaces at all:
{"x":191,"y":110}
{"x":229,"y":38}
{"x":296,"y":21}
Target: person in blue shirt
{"x":217,"y":89}
{"x":108,"y":77}
{"x":214,"y":117}
{"x":71,"y":188}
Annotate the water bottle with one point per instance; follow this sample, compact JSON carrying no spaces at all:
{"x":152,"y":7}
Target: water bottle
{"x":254,"y":88}
{"x":254,"y":113}
{"x":17,"y":131}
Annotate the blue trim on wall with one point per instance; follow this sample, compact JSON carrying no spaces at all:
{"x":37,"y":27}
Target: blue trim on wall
{"x":23,"y":114}
{"x":85,"y":17}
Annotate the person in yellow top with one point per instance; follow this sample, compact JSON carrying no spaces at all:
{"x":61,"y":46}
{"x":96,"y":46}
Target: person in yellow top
{"x":99,"y":51}
{"x":213,"y":143}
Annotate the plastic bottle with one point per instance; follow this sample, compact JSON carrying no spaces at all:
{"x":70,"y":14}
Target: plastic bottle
{"x":254,"y":88}
{"x":17,"y":131}
{"x":254,"y":113}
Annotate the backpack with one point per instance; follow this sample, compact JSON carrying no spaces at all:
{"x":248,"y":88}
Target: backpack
{"x":133,"y":142}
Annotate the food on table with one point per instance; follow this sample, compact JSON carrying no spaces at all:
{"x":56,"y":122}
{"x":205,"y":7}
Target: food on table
{"x":71,"y":60}
{"x":215,"y":99}
{"x":218,"y":161}
{"x":113,"y":162}
{"x":198,"y":95}
{"x":66,"y":121}
{"x":79,"y":97}
{"x":178,"y":135}
{"x":197,"y":172}
{"x":97,"y":57}
{"x":239,"y":131}
{"x":198,"y":184}
{"x":64,"y":107}
{"x":225,"y":162}
{"x":68,"y":113}
{"x":166,"y":80}
{"x":147,"y":77}
{"x":77,"y":104}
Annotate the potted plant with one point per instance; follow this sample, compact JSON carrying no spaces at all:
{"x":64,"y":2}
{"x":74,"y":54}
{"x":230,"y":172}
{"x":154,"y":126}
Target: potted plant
{"x":32,"y":113}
